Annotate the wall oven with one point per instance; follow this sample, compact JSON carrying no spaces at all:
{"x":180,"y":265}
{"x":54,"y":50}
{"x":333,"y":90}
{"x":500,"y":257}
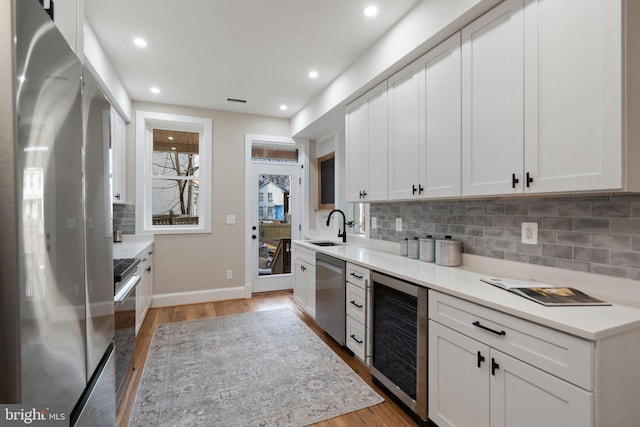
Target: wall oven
{"x":125,"y":282}
{"x":399,"y":331}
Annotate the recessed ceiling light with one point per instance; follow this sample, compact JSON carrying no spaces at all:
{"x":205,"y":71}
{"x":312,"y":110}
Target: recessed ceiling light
{"x":140,"y":42}
{"x":170,"y":138}
{"x":370,"y":11}
{"x":155,"y":90}
{"x":313,"y":74}
{"x":173,"y":148}
{"x":283,"y":107}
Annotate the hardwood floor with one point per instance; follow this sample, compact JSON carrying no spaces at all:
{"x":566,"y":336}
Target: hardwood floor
{"x":384,"y":414}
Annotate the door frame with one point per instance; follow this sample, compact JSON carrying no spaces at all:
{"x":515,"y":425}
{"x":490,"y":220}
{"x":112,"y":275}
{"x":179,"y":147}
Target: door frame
{"x":251,"y":249}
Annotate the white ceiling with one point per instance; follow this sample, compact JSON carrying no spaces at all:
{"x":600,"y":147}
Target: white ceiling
{"x":201,"y":52}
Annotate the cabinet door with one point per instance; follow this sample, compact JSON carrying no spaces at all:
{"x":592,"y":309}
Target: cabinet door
{"x":404,"y":133}
{"x":524,"y":396}
{"x":492,"y":101}
{"x":458,"y":379}
{"x":310,"y":274}
{"x":377,"y":102}
{"x":357,"y":134}
{"x":441,"y":162}
{"x":366,"y":146}
{"x":118,"y":158}
{"x":573,"y":97}
{"x":300,"y":282}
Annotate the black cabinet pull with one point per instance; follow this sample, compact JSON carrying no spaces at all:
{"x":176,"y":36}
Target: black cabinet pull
{"x":494,"y":366}
{"x":302,"y":268}
{"x":529,"y":179}
{"x":420,"y":189}
{"x":364,"y":194}
{"x":413,"y":189}
{"x":254,"y":237}
{"x":356,"y":276}
{"x":357,"y":305}
{"x":149,"y":270}
{"x":514,"y":180}
{"x":480,"y":359}
{"x":476,"y":323}
{"x":353,"y":337}
{"x":360,"y":194}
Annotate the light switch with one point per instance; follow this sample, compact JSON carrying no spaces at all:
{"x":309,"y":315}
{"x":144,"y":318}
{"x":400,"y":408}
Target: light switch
{"x":231,"y":219}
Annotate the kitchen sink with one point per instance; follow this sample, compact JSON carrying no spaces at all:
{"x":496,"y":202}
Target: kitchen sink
{"x":327,"y":243}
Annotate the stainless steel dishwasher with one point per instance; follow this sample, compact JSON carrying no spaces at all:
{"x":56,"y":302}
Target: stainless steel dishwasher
{"x":330,"y":296}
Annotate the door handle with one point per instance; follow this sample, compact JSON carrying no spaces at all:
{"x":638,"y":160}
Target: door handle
{"x":480,"y":358}
{"x":494,"y":366}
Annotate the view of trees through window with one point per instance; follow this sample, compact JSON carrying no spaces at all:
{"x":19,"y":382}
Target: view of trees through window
{"x":175,"y":185}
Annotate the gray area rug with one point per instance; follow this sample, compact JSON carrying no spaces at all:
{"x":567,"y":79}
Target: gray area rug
{"x":264,"y":368}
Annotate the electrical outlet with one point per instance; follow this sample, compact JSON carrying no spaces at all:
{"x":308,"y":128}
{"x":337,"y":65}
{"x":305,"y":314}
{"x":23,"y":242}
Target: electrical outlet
{"x":374,"y":222}
{"x":398,"y":224}
{"x":530,"y":233}
{"x":229,"y":274}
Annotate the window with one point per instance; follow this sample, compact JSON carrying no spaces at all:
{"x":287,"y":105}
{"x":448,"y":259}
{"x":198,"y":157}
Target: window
{"x":173,"y":166}
{"x":261,"y":197}
{"x":270,"y":197}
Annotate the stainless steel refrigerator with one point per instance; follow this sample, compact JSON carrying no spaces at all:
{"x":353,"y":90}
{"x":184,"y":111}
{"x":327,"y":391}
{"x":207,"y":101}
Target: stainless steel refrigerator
{"x":56,"y":286}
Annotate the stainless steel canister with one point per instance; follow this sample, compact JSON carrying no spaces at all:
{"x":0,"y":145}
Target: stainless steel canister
{"x":448,"y":252}
{"x":428,"y":249}
{"x":404,"y":249}
{"x":413,"y":248}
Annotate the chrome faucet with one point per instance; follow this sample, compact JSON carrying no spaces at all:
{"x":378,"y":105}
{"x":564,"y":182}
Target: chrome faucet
{"x":342,"y":234}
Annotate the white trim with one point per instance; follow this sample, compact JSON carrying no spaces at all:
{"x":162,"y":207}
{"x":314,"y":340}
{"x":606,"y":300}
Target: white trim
{"x":145,"y":120}
{"x":195,"y":297}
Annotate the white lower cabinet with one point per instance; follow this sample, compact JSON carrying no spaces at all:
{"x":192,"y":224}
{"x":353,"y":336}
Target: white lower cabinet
{"x":487,"y":368}
{"x":144,"y":290}
{"x":358,"y":312}
{"x":472,"y":384}
{"x":304,"y":284}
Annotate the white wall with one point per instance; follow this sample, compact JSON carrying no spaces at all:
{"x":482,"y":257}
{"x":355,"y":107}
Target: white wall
{"x":428,"y":24}
{"x":198,"y":262}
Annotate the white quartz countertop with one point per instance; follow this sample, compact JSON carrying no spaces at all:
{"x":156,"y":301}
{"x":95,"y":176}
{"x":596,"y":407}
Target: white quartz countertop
{"x":588,"y":322}
{"x":131,"y":245}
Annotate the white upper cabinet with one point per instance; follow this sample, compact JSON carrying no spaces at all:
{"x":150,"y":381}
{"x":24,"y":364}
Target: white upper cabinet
{"x":440,"y":108}
{"x":366,"y":146}
{"x":118,"y":159}
{"x":405,"y":122}
{"x":545,"y":101}
{"x":492,"y":102}
{"x":573,"y":95}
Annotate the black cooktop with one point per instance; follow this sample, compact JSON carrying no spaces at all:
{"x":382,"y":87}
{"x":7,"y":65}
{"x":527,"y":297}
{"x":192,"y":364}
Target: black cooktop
{"x":122,"y":267}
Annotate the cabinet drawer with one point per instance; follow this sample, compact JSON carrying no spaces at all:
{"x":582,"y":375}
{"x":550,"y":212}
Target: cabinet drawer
{"x":305,"y":254}
{"x":560,"y":354}
{"x":355,"y":302}
{"x":355,"y":337}
{"x":357,"y":275}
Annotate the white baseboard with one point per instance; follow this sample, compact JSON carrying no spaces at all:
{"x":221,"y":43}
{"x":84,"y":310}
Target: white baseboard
{"x":195,"y":297}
